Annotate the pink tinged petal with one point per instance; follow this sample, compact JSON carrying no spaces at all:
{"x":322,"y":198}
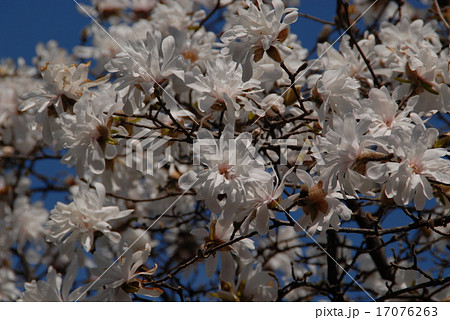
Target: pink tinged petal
{"x":210,"y":265}
{"x":278,"y":7}
{"x":95,"y":159}
{"x":187,"y":180}
{"x":205,"y":103}
{"x":71,"y":274}
{"x":260,"y":175}
{"x":123,"y":214}
{"x":287,"y":202}
{"x":290,"y":17}
{"x":262,"y":220}
{"x":227,"y":269}
{"x":305,"y":178}
{"x":204,"y":134}
{"x":419,"y":199}
{"x":302,"y":223}
{"x":115,"y":237}
{"x":168,"y":48}
{"x":150,"y":292}
{"x":377,"y":172}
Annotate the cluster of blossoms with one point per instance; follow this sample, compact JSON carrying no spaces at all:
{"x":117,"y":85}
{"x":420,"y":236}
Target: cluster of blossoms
{"x":255,"y":151}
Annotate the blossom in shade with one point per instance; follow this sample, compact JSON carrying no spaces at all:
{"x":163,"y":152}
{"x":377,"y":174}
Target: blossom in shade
{"x":141,"y":66}
{"x":77,"y":221}
{"x":219,"y":234}
{"x":256,"y":30}
{"x":222,"y":88}
{"x":229,"y":164}
{"x":117,"y":280}
{"x":264,"y":199}
{"x":252,"y":284}
{"x":54,"y":288}
{"x":87,"y":133}
{"x":344,"y":149}
{"x":407,"y":176}
{"x":321,"y":209}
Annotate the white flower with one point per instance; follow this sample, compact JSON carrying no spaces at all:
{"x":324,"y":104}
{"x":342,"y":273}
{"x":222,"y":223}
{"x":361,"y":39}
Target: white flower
{"x":264,"y":199}
{"x":219,"y":234}
{"x":79,"y":220}
{"x":348,"y":57}
{"x":61,"y":81}
{"x":252,"y":285}
{"x":54,"y":289}
{"x":117,"y":280}
{"x":176,"y":14}
{"x":383,"y":113}
{"x":142,"y":66}
{"x":337,"y":91}
{"x":196,"y":47}
{"x":63,"y":86}
{"x":407,"y":177}
{"x":258,"y":29}
{"x":143,"y":6}
{"x":15,"y":127}
{"x":230,"y":165}
{"x":222,"y":86}
{"x":407,"y":33}
{"x":289,"y":246}
{"x":344,"y":150}
{"x":428,"y":75}
{"x":28,"y":222}
{"x":321,"y":209}
{"x":51,"y":53}
{"x":8,"y":290}
{"x":87,"y":133}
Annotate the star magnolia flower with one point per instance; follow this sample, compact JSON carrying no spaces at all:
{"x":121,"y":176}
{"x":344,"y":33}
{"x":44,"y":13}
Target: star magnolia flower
{"x":106,"y":45}
{"x":384,"y":114}
{"x":118,"y":280}
{"x":258,"y":29}
{"x":321,"y":209}
{"x":28,"y":222}
{"x":230,"y":164}
{"x":264,"y":199}
{"x":63,"y":86}
{"x":176,"y":14}
{"x":222,"y":86}
{"x":142,"y":66}
{"x":61,"y":81}
{"x":87,"y":133}
{"x":220,"y":233}
{"x":344,"y":150}
{"x":428,"y":74}
{"x":8,"y":290}
{"x":51,"y":52}
{"x":54,"y":289}
{"x":407,"y":177}
{"x":408,"y":33}
{"x":337,"y":91}
{"x":252,"y":285}
{"x":79,"y":220}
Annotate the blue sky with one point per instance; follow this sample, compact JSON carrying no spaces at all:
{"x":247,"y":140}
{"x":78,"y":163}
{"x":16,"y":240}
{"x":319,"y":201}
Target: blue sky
{"x":24,"y":23}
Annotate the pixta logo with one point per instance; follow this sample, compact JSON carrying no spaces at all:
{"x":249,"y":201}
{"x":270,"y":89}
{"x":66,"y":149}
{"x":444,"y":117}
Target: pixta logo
{"x":148,"y":150}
